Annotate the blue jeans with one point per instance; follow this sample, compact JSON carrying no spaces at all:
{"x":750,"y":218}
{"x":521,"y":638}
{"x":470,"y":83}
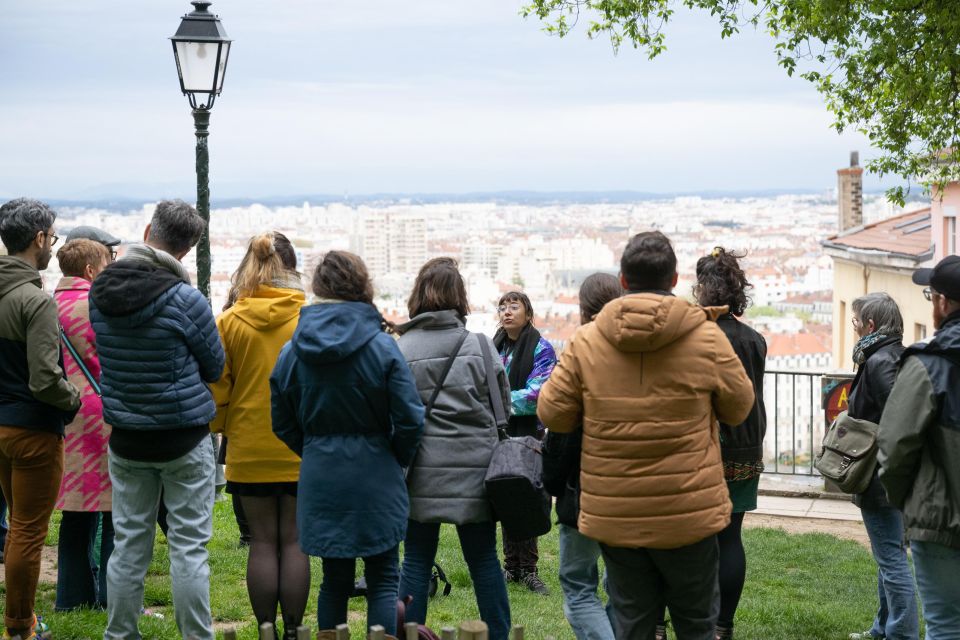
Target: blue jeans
{"x":479,"y":544}
{"x":938,"y":579}
{"x":382,"y":572}
{"x":579,"y":579}
{"x":897,"y":617}
{"x":187,"y":485}
{"x":81,"y":583}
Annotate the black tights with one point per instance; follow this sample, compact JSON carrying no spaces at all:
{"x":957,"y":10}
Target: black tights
{"x":278,"y":572}
{"x":733,"y":571}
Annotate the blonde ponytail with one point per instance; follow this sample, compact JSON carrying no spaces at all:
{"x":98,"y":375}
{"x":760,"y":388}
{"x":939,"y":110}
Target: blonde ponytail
{"x":261,"y":265}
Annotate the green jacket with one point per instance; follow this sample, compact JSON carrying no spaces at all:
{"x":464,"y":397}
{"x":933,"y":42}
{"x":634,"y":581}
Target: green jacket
{"x":920,"y":438}
{"x":34,"y":394}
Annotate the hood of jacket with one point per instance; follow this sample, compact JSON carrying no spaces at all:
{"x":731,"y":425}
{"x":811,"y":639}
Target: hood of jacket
{"x":333,"y":331}
{"x":650,"y":321}
{"x":15,"y":272}
{"x":131,"y":292}
{"x":269,"y":307}
{"x":446,"y":319}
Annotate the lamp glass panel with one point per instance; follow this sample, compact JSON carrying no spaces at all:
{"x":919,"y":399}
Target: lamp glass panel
{"x":198,"y":63}
{"x":223,"y":66}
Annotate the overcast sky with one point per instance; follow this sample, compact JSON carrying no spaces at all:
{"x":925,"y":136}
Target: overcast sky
{"x":387,"y":96}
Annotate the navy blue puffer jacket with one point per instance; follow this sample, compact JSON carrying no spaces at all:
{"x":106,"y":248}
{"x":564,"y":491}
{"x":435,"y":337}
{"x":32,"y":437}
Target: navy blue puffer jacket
{"x":158,"y":346}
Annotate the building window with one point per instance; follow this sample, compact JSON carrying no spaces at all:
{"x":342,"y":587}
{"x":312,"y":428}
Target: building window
{"x":919,"y":332}
{"x":950,"y":229}
{"x":844,"y":327}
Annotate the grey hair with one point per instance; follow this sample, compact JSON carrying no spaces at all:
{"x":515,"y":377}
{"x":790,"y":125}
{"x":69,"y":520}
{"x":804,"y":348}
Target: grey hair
{"x":883,"y":310}
{"x":175,"y":226}
{"x":21,"y":220}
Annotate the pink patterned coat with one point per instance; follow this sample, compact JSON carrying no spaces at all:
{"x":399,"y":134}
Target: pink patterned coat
{"x":86,"y":475}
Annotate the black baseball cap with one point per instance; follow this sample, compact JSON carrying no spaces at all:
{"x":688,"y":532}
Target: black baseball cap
{"x":943,"y":278}
{"x":95,"y":234}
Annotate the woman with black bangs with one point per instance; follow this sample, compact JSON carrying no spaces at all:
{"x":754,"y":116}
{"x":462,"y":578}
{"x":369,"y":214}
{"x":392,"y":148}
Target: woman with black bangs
{"x":529,"y":359}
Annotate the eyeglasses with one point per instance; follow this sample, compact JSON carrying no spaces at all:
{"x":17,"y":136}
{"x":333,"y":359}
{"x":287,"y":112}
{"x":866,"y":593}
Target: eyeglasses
{"x":928,"y":293}
{"x":512,"y":308}
{"x":113,"y":255}
{"x":54,"y":237}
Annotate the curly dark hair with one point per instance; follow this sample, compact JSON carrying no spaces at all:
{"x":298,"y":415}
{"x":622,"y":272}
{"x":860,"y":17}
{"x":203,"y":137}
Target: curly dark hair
{"x":721,"y":281}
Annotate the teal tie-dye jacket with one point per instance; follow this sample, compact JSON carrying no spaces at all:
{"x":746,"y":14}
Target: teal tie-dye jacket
{"x":523,"y":402}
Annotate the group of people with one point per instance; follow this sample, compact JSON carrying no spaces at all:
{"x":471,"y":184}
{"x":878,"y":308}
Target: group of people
{"x":346,"y":437}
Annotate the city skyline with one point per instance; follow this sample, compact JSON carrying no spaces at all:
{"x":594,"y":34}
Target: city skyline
{"x":434,"y":98}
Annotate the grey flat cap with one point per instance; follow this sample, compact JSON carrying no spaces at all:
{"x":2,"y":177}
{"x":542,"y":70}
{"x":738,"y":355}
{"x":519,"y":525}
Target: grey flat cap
{"x":95,"y":234}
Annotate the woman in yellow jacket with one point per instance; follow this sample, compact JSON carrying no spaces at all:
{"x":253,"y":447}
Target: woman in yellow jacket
{"x":262,"y":312}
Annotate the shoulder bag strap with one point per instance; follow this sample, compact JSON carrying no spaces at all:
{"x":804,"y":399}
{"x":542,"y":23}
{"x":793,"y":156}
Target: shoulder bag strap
{"x":443,"y":376}
{"x":83,"y":368}
{"x":493,"y":387}
{"x":436,"y":391}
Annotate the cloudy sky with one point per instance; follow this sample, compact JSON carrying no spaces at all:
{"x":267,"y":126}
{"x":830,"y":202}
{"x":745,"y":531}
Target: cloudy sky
{"x":386,"y":96}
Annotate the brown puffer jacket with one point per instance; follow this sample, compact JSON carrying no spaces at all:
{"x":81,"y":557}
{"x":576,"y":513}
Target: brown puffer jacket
{"x":649,"y":379}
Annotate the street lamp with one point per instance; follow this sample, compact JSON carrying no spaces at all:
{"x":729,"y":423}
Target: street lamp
{"x":201,"y":48}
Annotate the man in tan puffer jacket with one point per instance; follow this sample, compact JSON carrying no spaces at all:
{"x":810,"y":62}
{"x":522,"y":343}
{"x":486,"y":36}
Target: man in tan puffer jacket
{"x":649,"y":380}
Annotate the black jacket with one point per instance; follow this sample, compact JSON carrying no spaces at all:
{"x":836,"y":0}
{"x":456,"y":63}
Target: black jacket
{"x":744,"y":442}
{"x":868,"y":396}
{"x":561,"y":473}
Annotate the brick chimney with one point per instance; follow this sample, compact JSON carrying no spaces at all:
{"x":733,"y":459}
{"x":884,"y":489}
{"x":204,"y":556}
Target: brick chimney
{"x":850,"y":193}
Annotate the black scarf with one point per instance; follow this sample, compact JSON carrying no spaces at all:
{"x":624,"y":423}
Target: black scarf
{"x":521,"y":366}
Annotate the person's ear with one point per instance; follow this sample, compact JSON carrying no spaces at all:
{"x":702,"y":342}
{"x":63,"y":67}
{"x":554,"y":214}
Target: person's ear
{"x":673,"y":282}
{"x":871,"y":326}
{"x":88,"y":272}
{"x":146,"y":232}
{"x":623,"y":282}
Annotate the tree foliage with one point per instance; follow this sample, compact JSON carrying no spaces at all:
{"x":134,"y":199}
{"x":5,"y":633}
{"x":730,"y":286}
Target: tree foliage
{"x":888,"y":68}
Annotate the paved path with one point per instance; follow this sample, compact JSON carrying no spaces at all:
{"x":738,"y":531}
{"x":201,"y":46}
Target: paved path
{"x":819,"y":508}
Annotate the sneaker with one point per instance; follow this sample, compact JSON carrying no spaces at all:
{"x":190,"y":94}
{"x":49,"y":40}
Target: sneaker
{"x":724,"y":633}
{"x":38,"y":631}
{"x":864,"y":635}
{"x":661,"y":632}
{"x":533,"y":582}
{"x":509,"y":576}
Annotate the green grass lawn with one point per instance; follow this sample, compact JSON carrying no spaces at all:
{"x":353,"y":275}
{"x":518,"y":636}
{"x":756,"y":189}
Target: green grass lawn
{"x":809,"y":586}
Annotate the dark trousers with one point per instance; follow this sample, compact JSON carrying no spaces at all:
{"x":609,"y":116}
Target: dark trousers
{"x":478,"y":540}
{"x":520,"y":555}
{"x":31,"y":466}
{"x":641,"y":581}
{"x":81,"y":582}
{"x":382,"y":572}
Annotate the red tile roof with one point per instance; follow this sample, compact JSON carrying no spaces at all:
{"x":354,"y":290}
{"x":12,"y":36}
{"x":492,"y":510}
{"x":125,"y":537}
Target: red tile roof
{"x":795,"y":344}
{"x":907,"y":234}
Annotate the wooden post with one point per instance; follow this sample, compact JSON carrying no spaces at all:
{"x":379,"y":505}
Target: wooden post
{"x":230,"y":633}
{"x":448,"y":633}
{"x":474,"y":630}
{"x":411,"y":631}
{"x":377,"y":632}
{"x":517,"y":633}
{"x":266,"y":631}
{"x":343,"y":632}
{"x":303,"y":632}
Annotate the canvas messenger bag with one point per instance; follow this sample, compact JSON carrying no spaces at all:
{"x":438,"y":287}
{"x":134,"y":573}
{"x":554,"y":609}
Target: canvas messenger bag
{"x":848,"y":456}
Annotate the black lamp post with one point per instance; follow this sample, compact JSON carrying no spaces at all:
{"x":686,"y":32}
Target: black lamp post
{"x":201,"y":48}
